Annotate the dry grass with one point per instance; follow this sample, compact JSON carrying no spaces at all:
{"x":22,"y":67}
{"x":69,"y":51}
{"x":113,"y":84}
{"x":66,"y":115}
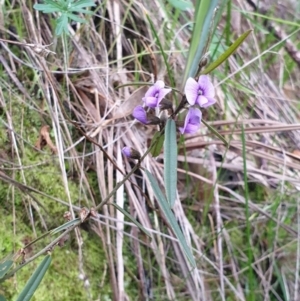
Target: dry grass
{"x":88,"y":109}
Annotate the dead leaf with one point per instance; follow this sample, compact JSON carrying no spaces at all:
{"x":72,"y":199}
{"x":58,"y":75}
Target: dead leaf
{"x":130,"y":103}
{"x":44,"y":139}
{"x":89,"y":106}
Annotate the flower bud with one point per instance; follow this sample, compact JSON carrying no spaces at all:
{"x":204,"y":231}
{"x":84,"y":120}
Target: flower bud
{"x":142,"y":116}
{"x":130,"y":152}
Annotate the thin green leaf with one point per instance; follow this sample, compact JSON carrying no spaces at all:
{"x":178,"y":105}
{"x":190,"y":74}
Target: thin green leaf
{"x":5,"y":266}
{"x":63,"y":227}
{"x":270,"y":18}
{"x":165,"y":57}
{"x":203,"y":20}
{"x":132,"y":219}
{"x":181,"y":4}
{"x":248,"y":230}
{"x":83,"y":3}
{"x":216,"y":133}
{"x":45,"y":8}
{"x":157,"y":144}
{"x":170,"y":161}
{"x":61,"y":25}
{"x":37,"y":239}
{"x":227,"y":53}
{"x":35,"y":280}
{"x":76,"y":18}
{"x":164,"y":205}
{"x":84,"y":11}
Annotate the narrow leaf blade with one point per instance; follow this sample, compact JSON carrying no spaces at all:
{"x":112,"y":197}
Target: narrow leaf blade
{"x":61,"y":25}
{"x":181,"y":4}
{"x":216,"y":133}
{"x":161,"y":48}
{"x":47,"y":8}
{"x":170,"y":161}
{"x":171,"y":218}
{"x":157,"y":144}
{"x":83,"y":3}
{"x":76,"y":18}
{"x":227,"y":53}
{"x":65,"y":226}
{"x":4,"y":267}
{"x":35,"y":280}
{"x":203,"y":19}
{"x":131,"y":218}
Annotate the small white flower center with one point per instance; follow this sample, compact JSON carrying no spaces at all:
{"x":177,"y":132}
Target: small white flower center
{"x":156,"y":95}
{"x":200,"y":92}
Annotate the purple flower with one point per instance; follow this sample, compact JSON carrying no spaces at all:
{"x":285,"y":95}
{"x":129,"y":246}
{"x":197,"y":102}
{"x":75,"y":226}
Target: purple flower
{"x":192,"y":121}
{"x":201,"y":92}
{"x":126,"y":151}
{"x":155,"y":94}
{"x":130,"y":152}
{"x":141,"y":115}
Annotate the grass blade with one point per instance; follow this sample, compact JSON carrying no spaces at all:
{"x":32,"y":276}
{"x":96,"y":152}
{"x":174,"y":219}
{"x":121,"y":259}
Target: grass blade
{"x":169,"y":71}
{"x":164,"y":205}
{"x":216,"y":133}
{"x":251,"y":278}
{"x":66,"y":226}
{"x":170,"y":161}
{"x":131,"y":218}
{"x":227,"y":53}
{"x":181,"y":4}
{"x":200,"y":35}
{"x":4,"y":267}
{"x":35,"y":280}
{"x":157,"y":143}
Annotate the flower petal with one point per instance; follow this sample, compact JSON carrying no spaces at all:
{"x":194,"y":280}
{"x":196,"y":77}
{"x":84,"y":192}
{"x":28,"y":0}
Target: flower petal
{"x":153,"y":90}
{"x":201,"y":101}
{"x":130,"y":152}
{"x":150,"y":101}
{"x":159,"y":84}
{"x":206,"y":86}
{"x":194,"y":116}
{"x":191,"y":90}
{"x":210,"y":102}
{"x":139,"y":113}
{"x":192,"y":121}
{"x":126,"y":151}
{"x":162,"y":94}
{"x":191,"y":128}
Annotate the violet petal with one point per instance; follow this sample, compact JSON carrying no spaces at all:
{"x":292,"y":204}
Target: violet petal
{"x":191,"y":90}
{"x":201,"y":101}
{"x":192,"y":121}
{"x":210,"y":102}
{"x":162,"y":93}
{"x":206,"y":86}
{"x":126,"y":151}
{"x":150,"y":101}
{"x":140,"y":114}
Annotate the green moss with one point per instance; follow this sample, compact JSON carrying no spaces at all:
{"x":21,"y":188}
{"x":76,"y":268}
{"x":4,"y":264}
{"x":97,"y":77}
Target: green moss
{"x":41,"y":171}
{"x":63,"y":274}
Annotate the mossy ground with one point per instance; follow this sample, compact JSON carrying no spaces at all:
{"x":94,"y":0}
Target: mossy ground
{"x":42,"y":172}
